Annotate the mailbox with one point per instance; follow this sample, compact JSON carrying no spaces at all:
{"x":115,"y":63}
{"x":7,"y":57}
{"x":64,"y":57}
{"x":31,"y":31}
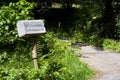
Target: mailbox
{"x":30,"y":27}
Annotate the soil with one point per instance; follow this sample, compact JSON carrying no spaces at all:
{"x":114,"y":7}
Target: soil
{"x":105,"y":62}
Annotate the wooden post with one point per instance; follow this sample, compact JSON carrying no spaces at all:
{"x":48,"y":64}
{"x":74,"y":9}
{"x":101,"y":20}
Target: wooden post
{"x":34,"y":52}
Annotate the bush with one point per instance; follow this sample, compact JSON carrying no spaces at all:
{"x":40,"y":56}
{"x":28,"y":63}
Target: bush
{"x":9,"y":16}
{"x":59,"y":62}
{"x":111,"y":45}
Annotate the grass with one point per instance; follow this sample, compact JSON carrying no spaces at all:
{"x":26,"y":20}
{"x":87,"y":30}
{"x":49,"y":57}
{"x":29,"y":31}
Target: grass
{"x":57,"y":61}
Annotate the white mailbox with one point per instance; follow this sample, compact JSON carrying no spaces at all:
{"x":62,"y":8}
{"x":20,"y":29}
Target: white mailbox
{"x":30,"y":27}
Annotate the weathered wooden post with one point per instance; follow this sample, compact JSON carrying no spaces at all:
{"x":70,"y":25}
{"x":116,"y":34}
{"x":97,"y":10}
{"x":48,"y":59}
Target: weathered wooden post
{"x":34,"y":52}
{"x":31,"y":28}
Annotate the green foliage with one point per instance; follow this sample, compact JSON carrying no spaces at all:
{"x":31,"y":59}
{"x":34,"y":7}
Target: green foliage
{"x":63,"y":63}
{"x":57,"y":61}
{"x":76,"y":36}
{"x":73,"y":67}
{"x":111,"y":45}
{"x":3,"y":57}
{"x":117,"y":20}
{"x":19,"y":74}
{"x":6,"y":2}
{"x":95,"y":40}
{"x":9,"y":16}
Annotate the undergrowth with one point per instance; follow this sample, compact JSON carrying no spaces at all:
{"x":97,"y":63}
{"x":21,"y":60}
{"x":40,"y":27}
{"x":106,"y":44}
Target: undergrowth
{"x":57,"y":61}
{"x":110,"y":44}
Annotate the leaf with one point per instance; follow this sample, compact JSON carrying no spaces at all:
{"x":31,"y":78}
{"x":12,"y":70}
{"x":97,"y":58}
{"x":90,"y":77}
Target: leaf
{"x":1,"y":11}
{"x":6,"y":28}
{"x":8,"y":21}
{"x":10,"y":5}
{"x":1,"y":23}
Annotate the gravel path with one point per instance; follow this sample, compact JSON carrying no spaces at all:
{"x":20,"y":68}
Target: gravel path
{"x":106,"y":63}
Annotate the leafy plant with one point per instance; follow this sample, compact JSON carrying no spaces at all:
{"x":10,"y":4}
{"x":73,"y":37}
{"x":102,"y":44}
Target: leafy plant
{"x":59,"y":62}
{"x":3,"y":57}
{"x":73,"y":67}
{"x":9,"y":16}
{"x":111,"y":45}
{"x":62,"y":62}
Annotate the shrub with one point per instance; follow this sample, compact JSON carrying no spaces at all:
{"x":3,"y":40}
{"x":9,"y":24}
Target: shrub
{"x":9,"y":16}
{"x":59,"y":62}
{"x":111,"y":45}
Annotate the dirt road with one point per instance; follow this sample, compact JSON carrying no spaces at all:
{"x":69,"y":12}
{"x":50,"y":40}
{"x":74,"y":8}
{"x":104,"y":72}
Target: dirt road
{"x":106,"y":63}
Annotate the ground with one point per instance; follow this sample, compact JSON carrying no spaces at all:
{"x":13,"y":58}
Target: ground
{"x":106,"y":63}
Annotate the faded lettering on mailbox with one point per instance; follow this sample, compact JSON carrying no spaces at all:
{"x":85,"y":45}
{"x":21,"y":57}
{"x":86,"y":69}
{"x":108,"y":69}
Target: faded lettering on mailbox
{"x":29,"y":27}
